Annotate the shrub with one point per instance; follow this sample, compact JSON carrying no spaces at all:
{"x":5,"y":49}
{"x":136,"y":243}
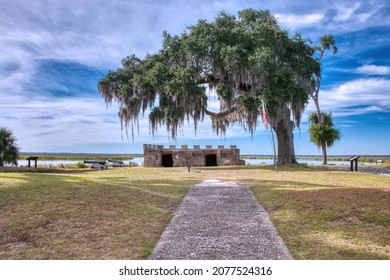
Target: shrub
{"x":81,"y":165}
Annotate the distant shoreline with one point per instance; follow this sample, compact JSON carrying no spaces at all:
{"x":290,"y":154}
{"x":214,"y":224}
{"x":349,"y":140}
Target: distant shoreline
{"x":77,"y":156}
{"x":363,"y":158}
{"x":141,"y":154}
{"x":99,"y":156}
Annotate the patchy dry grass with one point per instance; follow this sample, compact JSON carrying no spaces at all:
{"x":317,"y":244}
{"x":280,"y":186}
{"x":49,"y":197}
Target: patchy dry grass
{"x":322,"y":214}
{"x":120,"y":214}
{"x":114,"y":214}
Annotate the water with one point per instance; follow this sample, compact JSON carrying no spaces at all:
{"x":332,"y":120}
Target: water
{"x":140,"y":161}
{"x":269,"y":161}
{"x":48,"y":163}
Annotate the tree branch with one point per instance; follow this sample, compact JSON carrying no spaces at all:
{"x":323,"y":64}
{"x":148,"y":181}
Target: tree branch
{"x":206,"y":80}
{"x":220,"y":114}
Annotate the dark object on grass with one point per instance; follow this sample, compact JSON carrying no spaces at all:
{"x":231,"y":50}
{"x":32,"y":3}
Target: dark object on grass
{"x":97,"y":164}
{"x":116,"y":163}
{"x":35,"y":159}
{"x":354,"y":161}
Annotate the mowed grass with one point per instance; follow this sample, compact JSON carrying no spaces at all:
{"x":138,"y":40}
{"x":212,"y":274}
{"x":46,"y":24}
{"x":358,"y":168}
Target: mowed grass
{"x":318,"y":213}
{"x":114,"y":214}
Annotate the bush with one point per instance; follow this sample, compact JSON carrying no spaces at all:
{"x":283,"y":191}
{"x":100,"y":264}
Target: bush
{"x":81,"y":165}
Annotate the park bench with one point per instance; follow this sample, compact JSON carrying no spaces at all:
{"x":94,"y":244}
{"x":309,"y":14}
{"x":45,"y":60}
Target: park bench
{"x":379,"y":161}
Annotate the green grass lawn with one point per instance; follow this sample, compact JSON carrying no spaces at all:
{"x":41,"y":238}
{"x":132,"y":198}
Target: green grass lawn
{"x":114,"y":214}
{"x":121,"y":213}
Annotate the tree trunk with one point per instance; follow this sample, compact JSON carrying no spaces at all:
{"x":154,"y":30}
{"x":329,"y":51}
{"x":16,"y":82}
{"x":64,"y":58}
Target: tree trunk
{"x":324,"y":156}
{"x":286,"y":152}
{"x":284,"y":134}
{"x":318,"y":111}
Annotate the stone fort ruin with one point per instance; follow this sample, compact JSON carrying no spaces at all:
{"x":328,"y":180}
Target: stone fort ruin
{"x":157,"y":156}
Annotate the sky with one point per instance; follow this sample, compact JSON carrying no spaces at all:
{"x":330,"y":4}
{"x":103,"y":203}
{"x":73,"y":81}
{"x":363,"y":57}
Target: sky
{"x":54,"y":52}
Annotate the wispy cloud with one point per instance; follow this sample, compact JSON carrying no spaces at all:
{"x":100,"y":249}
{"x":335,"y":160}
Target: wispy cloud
{"x":372,"y":95}
{"x":336,"y":17}
{"x":97,"y":33}
{"x":344,"y":12}
{"x":373,"y":70}
{"x":345,"y":16}
{"x":49,"y":122}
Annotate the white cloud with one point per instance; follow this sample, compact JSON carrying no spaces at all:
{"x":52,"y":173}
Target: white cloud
{"x":357,"y":111}
{"x":295,"y":21}
{"x":97,"y":33}
{"x":335,"y":17}
{"x":371,"y":94}
{"x":344,"y":12}
{"x":52,"y":122}
{"x":344,"y":16}
{"x":373,"y":70}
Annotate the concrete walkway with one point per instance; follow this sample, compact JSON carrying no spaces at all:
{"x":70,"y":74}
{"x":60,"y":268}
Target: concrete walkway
{"x":219,"y":220}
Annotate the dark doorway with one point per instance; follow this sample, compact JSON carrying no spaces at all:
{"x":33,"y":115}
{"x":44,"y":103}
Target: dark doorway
{"x":211,"y":160}
{"x":167,"y":161}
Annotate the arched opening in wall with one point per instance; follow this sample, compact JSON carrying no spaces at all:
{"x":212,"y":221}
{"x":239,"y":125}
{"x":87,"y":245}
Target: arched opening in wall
{"x":167,"y":160}
{"x":211,"y":160}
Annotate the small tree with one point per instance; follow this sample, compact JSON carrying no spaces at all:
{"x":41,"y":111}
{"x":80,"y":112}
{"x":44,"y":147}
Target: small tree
{"x":323,"y":133}
{"x":189,"y":158}
{"x":9,"y":151}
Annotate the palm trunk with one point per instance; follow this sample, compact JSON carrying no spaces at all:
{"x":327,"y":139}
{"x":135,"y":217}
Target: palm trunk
{"x":314,"y":96}
{"x":324,"y":156}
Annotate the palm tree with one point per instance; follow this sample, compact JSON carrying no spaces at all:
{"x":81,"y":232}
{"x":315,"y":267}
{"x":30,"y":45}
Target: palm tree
{"x":327,"y":42}
{"x":322,"y":132}
{"x":9,"y":150}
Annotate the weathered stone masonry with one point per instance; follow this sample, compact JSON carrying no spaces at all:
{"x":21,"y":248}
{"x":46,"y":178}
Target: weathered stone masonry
{"x":157,"y":156}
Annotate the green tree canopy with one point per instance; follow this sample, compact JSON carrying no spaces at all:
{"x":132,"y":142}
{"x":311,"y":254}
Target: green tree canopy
{"x":9,"y":151}
{"x":249,"y":60}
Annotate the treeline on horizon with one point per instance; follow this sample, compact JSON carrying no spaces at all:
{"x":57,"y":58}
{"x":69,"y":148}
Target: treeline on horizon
{"x":78,"y":156}
{"x":363,"y":158}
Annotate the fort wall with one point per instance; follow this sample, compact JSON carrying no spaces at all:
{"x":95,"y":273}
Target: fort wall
{"x":158,"y":156}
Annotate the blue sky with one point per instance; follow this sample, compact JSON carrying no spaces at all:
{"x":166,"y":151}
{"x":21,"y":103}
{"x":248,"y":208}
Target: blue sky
{"x":53,"y":53}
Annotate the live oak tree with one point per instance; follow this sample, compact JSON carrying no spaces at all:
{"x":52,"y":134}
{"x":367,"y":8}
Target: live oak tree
{"x":248,"y":60}
{"x":9,"y":150}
